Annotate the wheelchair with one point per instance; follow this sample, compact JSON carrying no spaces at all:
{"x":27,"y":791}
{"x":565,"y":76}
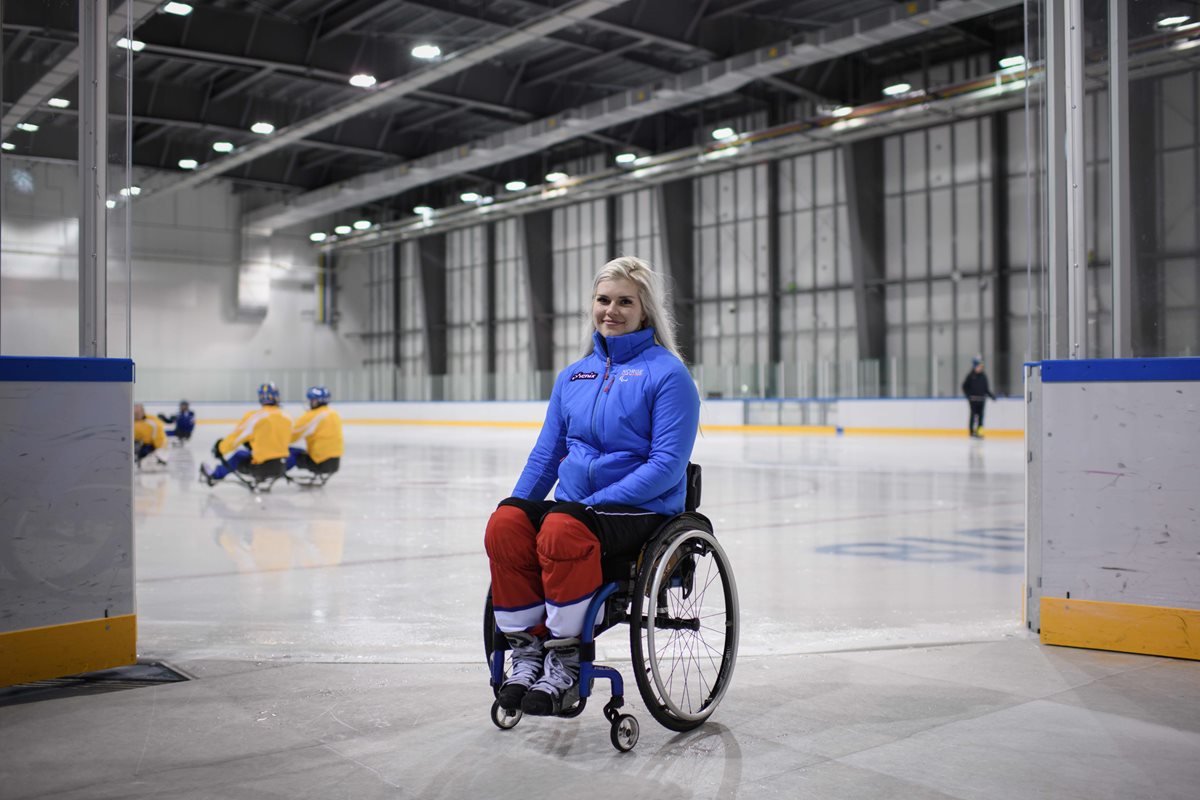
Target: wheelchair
{"x":679,"y":599}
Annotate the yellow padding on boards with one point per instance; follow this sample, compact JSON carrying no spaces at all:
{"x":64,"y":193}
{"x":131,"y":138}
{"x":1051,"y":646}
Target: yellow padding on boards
{"x":34,"y":654}
{"x":1123,"y":627}
{"x":778,"y":430}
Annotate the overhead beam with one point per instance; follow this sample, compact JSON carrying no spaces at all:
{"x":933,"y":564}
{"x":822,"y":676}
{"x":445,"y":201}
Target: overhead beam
{"x":712,"y":80}
{"x":65,"y":71}
{"x":394,"y":90}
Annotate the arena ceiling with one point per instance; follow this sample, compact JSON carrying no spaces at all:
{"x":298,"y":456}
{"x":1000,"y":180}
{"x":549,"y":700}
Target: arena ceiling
{"x":207,"y":76}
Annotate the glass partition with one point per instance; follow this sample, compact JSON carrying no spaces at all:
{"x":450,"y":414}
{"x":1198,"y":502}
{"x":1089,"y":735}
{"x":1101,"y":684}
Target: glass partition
{"x":40,"y":198}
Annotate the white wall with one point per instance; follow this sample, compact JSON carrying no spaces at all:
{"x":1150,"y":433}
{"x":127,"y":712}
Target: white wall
{"x":187,"y":251}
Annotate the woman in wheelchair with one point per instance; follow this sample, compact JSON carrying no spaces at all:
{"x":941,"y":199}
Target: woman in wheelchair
{"x":618,"y":433}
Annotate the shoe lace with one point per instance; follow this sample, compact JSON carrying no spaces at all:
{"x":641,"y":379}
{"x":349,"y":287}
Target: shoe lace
{"x":527,"y":658}
{"x":562,"y":670}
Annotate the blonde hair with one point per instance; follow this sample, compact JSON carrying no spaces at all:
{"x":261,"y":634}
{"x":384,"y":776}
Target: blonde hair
{"x":652,"y":292}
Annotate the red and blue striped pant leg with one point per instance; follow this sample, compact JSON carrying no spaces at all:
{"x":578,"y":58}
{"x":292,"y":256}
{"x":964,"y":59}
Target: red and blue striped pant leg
{"x":518,"y":599}
{"x":569,"y":554}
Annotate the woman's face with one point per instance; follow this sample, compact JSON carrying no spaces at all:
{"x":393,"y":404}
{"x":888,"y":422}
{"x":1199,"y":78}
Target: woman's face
{"x":617,"y":308}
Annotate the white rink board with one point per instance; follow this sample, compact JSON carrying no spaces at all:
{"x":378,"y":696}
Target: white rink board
{"x":66,"y":495}
{"x":1114,"y":491}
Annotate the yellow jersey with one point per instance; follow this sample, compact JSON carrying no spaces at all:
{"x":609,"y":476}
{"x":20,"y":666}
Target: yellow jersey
{"x":150,"y":431}
{"x":321,"y":428}
{"x":267,"y":429}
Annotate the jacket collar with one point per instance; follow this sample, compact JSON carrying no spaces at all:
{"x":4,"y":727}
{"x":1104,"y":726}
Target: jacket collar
{"x":623,"y":348}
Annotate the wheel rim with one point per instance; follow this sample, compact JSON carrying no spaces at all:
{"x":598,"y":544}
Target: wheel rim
{"x":691,"y":666}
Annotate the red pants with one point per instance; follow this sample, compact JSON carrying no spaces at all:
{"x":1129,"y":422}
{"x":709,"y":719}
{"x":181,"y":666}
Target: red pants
{"x":542,"y":577}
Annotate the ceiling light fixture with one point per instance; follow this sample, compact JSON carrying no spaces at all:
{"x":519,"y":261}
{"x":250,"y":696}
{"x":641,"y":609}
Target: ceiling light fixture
{"x":131,"y":191}
{"x":724,"y":133}
{"x":362,"y":224}
{"x":223,"y":147}
{"x":556,"y":177}
{"x":1171,"y":22}
{"x":626,"y":158}
{"x":7,"y":146}
{"x":1012,"y":62}
{"x":515,"y":186}
{"x":262,"y":128}
{"x":131,"y":44}
{"x":422,"y":210}
{"x":178,"y":9}
{"x":188,"y":163}
{"x":317,"y":236}
{"x":342,"y":230}
{"x":426,"y":52}
{"x":469,"y":197}
{"x":362,"y":80}
{"x":28,"y":127}
{"x":896,"y":88}
{"x":842,"y":111}
{"x":110,"y":203}
{"x":58,"y":102}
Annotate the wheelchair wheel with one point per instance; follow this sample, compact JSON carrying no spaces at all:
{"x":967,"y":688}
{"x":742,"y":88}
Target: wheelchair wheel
{"x":683,"y":626}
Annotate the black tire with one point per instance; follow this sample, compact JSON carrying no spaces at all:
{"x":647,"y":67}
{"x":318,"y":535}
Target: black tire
{"x":683,"y":626}
{"x":489,"y":627}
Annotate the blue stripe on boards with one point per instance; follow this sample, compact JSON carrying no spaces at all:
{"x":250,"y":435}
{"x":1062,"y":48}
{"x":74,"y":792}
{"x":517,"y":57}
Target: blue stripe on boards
{"x":1088,"y":370}
{"x":47,"y":368}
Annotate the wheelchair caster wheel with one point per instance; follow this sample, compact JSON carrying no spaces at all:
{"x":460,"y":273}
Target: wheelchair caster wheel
{"x":505,"y":719}
{"x":624,"y":733}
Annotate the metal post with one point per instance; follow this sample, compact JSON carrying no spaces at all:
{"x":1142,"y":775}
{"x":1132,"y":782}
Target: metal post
{"x":1056,"y":183}
{"x":93,"y":183}
{"x":1076,"y":170}
{"x":1122,"y":240}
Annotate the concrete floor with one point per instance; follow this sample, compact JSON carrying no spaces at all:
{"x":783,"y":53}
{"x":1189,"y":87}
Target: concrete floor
{"x":334,"y":640}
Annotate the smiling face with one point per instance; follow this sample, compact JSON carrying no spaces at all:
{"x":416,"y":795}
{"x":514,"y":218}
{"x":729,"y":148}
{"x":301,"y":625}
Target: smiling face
{"x":617,"y":307}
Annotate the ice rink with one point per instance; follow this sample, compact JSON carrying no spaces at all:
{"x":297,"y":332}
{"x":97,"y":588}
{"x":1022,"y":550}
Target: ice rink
{"x":334,"y":639}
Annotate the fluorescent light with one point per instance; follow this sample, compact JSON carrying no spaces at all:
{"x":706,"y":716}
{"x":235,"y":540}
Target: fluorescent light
{"x":110,"y":203}
{"x":626,"y":158}
{"x":131,"y":44}
{"x":515,"y":186}
{"x":422,"y":210}
{"x":58,"y":102}
{"x":262,"y":128}
{"x":426,"y":51}
{"x":362,"y":224}
{"x":131,"y":190}
{"x":486,"y":201}
{"x":896,"y":88}
{"x":1171,"y":22}
{"x":362,"y":80}
{"x":555,"y":177}
{"x":723,"y":133}
{"x":27,"y":126}
{"x":1012,"y":62}
{"x":842,"y":111}
{"x":317,"y":236}
{"x":188,"y":163}
{"x":178,"y":9}
{"x":7,"y":146}
{"x":342,"y":230}
{"x":469,"y":197}
{"x":724,"y":152}
{"x":223,"y":147}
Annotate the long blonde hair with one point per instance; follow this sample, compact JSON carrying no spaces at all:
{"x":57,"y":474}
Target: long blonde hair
{"x":652,"y":292}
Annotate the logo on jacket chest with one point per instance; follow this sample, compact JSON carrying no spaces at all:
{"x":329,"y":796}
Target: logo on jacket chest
{"x":584,"y":376}
{"x":626,"y":374}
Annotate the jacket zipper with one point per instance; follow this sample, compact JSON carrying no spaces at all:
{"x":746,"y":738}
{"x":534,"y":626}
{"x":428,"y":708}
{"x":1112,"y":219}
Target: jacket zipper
{"x":596,"y":433}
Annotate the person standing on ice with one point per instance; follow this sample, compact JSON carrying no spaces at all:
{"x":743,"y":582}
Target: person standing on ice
{"x":618,"y":434}
{"x":975,"y":387}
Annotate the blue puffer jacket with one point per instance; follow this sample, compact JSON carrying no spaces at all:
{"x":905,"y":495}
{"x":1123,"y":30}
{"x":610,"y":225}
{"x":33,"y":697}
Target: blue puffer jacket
{"x":619,"y":429}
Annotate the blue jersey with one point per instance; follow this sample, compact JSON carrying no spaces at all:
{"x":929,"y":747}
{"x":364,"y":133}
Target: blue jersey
{"x":184,"y":420}
{"x":619,"y":428}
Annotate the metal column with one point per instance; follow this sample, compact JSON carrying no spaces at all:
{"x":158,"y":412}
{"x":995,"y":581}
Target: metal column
{"x":675,"y":226}
{"x":864,"y":204}
{"x":93,"y":178}
{"x":431,"y":252}
{"x":537,"y":228}
{"x":1122,"y":242}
